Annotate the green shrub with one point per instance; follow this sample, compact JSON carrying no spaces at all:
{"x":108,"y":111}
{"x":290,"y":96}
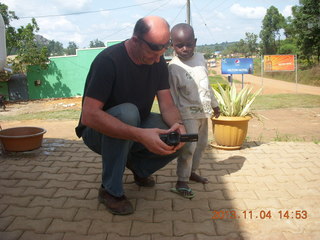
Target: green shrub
{"x":215,"y":86}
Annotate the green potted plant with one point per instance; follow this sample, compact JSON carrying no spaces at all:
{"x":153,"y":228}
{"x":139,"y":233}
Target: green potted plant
{"x":230,"y":129}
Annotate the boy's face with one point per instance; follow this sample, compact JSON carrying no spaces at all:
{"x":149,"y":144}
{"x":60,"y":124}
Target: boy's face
{"x":183,"y":44}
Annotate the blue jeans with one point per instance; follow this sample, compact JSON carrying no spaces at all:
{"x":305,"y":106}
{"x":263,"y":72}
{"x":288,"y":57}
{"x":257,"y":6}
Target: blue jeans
{"x":116,"y":153}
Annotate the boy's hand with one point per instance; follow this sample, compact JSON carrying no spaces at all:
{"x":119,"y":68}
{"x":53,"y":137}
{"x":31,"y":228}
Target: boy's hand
{"x":216,"y":113}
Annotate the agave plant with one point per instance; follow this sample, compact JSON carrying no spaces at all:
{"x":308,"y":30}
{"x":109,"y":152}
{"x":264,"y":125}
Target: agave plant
{"x":233,"y":104}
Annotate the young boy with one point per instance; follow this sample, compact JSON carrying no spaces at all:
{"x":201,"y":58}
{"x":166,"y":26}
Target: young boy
{"x":189,"y":84}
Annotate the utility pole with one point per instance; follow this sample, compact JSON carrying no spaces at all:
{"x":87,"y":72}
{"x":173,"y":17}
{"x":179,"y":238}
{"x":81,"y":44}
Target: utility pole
{"x":188,"y":11}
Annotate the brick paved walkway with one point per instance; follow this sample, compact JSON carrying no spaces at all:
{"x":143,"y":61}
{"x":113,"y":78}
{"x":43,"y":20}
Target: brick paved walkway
{"x":264,"y":191}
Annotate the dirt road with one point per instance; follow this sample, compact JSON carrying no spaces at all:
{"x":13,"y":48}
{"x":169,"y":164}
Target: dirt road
{"x":271,"y":86}
{"x":294,"y":124}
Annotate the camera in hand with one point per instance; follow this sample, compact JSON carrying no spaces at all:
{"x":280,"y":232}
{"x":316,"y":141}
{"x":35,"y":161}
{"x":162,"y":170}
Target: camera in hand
{"x":174,"y":138}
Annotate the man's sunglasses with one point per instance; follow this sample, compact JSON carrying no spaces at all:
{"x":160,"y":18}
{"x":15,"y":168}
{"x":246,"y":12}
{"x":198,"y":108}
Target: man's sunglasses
{"x":156,"y":47}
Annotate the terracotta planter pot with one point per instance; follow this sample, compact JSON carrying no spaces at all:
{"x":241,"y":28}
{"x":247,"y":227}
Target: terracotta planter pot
{"x":230,"y":132}
{"x":21,"y":139}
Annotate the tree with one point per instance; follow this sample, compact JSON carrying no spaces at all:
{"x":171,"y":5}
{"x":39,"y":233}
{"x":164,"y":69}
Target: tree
{"x":272,"y":23}
{"x":21,"y":41}
{"x":96,"y":43}
{"x":7,"y":15}
{"x":71,"y":49}
{"x":306,"y":28}
{"x":55,"y":48}
{"x":251,"y":42}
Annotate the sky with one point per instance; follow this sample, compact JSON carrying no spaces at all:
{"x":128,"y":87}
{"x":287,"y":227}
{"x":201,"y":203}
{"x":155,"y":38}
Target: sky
{"x":82,"y":21}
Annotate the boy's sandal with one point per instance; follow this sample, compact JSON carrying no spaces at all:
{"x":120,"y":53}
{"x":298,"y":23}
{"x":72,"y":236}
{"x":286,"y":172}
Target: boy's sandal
{"x":184,"y":192}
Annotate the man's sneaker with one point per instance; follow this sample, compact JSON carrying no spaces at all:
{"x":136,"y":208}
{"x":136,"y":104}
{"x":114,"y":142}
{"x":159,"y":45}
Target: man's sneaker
{"x":116,"y":205}
{"x":144,"y":182}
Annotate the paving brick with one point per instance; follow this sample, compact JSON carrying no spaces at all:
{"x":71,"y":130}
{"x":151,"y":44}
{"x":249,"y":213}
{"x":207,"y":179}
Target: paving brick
{"x":46,"y":169}
{"x":28,"y":235}
{"x":122,"y":228}
{"x":200,"y":215}
{"x":26,"y":175}
{"x":216,"y":204}
{"x":44,"y":201}
{"x":5,"y":222}
{"x":163,"y":195}
{"x":84,"y":184}
{"x":61,"y":184}
{"x":83,"y":160}
{"x":12,"y":191}
{"x":6,"y":174}
{"x":40,"y":163}
{"x":217,"y":194}
{"x":305,"y":236}
{"x":20,"y":168}
{"x":31,"y":183}
{"x":92,"y":194}
{"x":231,"y":236}
{"x":51,"y":176}
{"x":8,"y":182}
{"x":239,"y":194}
{"x":80,"y":177}
{"x":34,"y":225}
{"x":183,"y":203}
{"x":66,"y":214}
{"x":225,"y":227}
{"x":92,"y":170}
{"x":21,"y":211}
{"x":62,"y":163}
{"x":161,"y":215}
{"x":146,"y":215}
{"x":249,"y":186}
{"x":73,"y":202}
{"x":18,"y":201}
{"x":74,"y":236}
{"x":262,"y":203}
{"x":143,"y":204}
{"x":15,"y":235}
{"x":147,"y":194}
{"x":44,"y":192}
{"x":163,"y":228}
{"x":184,"y":237}
{"x":3,"y":207}
{"x":101,"y":215}
{"x":220,"y":186}
{"x":114,"y":236}
{"x":273,"y":194}
{"x":62,"y":192}
{"x":60,"y":226}
{"x":182,"y":228}
{"x":57,"y":159}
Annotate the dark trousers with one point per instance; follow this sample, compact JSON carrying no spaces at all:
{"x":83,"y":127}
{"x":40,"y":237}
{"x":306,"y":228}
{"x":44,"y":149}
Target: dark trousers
{"x":116,"y":153}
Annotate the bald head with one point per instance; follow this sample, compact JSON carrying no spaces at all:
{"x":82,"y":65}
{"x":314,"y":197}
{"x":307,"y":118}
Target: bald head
{"x":150,"y":24}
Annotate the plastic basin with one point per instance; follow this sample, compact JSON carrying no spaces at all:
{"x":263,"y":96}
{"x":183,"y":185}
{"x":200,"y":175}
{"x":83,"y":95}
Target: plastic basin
{"x":20,"y":139}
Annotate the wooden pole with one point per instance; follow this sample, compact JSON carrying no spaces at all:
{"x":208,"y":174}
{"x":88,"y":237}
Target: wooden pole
{"x":188,"y":11}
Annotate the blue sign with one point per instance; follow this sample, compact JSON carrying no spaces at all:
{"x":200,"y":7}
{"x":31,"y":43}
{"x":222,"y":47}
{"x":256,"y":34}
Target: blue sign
{"x":237,"y":66}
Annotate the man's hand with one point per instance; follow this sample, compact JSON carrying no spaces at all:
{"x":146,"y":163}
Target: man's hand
{"x":216,"y":112}
{"x":150,"y":138}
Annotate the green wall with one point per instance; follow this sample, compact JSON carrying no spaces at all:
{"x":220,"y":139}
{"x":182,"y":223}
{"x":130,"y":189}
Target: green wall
{"x":65,"y":76}
{"x":4,"y":89}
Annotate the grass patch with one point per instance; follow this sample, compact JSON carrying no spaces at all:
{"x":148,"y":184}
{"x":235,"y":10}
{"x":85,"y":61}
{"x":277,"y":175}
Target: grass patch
{"x":264,"y":102}
{"x":217,"y":78}
{"x":45,"y":115}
